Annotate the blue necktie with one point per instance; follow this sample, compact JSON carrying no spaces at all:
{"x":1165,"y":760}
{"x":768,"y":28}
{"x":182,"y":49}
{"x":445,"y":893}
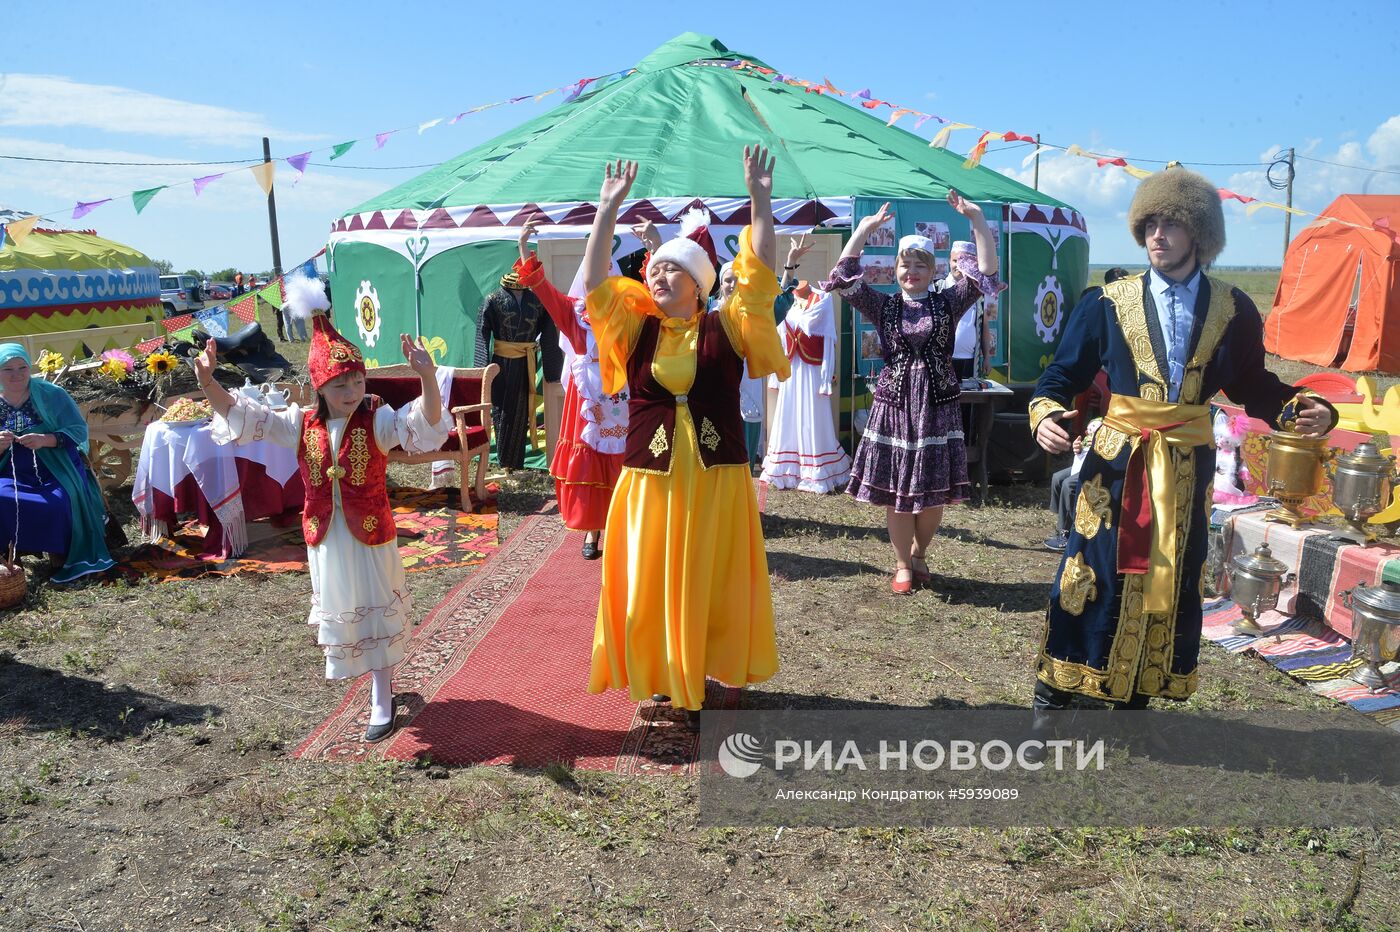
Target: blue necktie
{"x":1174,"y":363}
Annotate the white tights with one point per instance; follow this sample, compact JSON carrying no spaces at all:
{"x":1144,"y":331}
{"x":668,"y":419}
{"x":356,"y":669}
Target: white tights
{"x":381,"y":697}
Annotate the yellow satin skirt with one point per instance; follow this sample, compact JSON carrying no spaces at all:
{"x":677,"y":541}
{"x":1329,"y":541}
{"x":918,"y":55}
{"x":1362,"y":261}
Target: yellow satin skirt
{"x":685,"y":582}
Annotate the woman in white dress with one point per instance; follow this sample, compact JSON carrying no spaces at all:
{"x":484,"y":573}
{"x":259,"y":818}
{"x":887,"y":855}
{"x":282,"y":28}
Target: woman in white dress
{"x":360,"y":605}
{"x":803,"y":452}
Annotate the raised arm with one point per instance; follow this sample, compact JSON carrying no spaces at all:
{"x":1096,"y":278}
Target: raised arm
{"x":219,"y":398}
{"x":558,"y":305}
{"x":987,"y":261}
{"x":617,"y":181}
{"x":796,"y":250}
{"x":862,"y":230}
{"x":758,"y":177}
{"x":421,"y":362}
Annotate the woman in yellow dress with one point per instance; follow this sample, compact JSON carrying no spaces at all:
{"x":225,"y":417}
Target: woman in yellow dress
{"x":685,"y":580}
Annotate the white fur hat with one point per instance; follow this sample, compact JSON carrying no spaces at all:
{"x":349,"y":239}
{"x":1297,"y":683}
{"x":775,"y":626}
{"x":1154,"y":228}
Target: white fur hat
{"x":689,"y":252}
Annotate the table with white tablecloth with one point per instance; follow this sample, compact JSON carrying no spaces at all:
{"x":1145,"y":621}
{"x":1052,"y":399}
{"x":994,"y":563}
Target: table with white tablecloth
{"x":182,"y":469}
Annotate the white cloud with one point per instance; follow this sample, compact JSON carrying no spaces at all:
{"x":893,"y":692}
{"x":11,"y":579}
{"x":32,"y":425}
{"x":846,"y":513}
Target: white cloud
{"x":51,"y":100}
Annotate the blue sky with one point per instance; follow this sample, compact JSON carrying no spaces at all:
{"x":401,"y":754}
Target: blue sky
{"x":163,"y":82}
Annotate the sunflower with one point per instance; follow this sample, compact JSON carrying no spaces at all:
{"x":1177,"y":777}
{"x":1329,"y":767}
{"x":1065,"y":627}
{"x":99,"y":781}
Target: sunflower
{"x":114,"y":369}
{"x":161,"y":363}
{"x":51,"y":362}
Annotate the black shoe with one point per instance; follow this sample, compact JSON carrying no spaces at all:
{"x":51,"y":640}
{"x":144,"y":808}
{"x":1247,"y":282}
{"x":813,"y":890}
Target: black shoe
{"x":1058,"y":543}
{"x":692,"y":718}
{"x":591,"y":550}
{"x":377,"y":733}
{"x":660,"y":697}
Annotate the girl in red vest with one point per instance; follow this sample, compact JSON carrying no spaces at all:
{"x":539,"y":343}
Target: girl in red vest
{"x":685,"y":580}
{"x":360,"y":605}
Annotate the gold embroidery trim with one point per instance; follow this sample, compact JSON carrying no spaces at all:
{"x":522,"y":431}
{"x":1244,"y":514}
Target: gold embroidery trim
{"x":335,"y":472}
{"x":1077,"y":585}
{"x":1108,"y":443}
{"x":343,"y":352}
{"x":1131,"y":311}
{"x":1218,"y":316}
{"x":1040,"y":408}
{"x":370,"y":523}
{"x":1093,"y":509}
{"x":358,"y":456}
{"x":708,"y":435}
{"x":659,"y":445}
{"x":314,"y":458}
{"x":313,"y":524}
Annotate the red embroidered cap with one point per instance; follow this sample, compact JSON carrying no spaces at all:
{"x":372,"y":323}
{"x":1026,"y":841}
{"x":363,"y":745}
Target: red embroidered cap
{"x":331,"y":355}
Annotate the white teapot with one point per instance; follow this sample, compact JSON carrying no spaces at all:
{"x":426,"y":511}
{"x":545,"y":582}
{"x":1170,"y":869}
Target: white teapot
{"x":250,"y":391}
{"x":275,"y":398}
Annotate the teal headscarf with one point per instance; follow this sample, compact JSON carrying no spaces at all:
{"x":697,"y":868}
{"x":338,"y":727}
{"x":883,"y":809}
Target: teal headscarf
{"x":87,"y":549}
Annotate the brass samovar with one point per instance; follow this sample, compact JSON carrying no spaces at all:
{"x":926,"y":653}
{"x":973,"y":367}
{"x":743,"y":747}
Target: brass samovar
{"x":1293,"y":473}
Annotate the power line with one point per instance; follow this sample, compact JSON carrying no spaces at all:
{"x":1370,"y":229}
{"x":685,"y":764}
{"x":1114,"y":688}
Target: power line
{"x":374,"y":168}
{"x":1360,"y":168}
{"x":33,"y":158}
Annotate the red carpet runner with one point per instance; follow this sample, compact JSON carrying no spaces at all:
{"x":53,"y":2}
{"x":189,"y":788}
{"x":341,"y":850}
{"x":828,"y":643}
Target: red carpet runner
{"x":498,"y":672}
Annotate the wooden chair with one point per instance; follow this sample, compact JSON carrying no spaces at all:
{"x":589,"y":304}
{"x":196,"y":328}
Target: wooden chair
{"x":470,"y":406}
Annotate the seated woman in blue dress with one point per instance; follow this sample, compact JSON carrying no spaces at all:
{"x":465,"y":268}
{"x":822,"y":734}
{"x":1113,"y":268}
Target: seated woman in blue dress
{"x":49,"y":500}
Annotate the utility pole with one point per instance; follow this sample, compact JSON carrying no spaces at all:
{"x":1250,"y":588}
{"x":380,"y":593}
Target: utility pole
{"x":272,"y":216}
{"x":1288,"y":215}
{"x":1035,"y":183}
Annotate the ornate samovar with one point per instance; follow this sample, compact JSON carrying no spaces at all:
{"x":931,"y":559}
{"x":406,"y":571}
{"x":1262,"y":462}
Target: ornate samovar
{"x":1375,"y":629}
{"x":1361,"y":485}
{"x":1255,"y":581}
{"x":1293,"y":473}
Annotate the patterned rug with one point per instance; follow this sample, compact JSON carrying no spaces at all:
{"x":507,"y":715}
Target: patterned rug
{"x":497,"y":674}
{"x":1309,"y":651}
{"x":433,"y":535}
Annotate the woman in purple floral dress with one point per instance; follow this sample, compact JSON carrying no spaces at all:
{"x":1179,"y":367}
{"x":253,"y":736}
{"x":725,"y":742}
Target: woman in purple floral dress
{"x":911,"y":458}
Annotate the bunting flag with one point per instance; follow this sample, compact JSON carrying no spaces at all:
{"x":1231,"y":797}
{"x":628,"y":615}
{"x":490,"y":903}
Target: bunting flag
{"x":1138,"y":173}
{"x":1231,"y":195}
{"x":19,"y":229}
{"x":899,"y":112}
{"x":263,"y":175}
{"x":83,"y":208}
{"x":338,"y":150}
{"x":298,"y":162}
{"x":925,"y":117}
{"x":874,"y":104}
{"x":863,"y":93}
{"x":832,"y":87}
{"x":272,"y":294}
{"x":1026,"y":162}
{"x":974,"y":157}
{"x":422,"y":127}
{"x":139,"y":199}
{"x":545,"y":94}
{"x":381,"y":138}
{"x":1121,"y":163}
{"x":941,"y":140}
{"x":201,"y":183}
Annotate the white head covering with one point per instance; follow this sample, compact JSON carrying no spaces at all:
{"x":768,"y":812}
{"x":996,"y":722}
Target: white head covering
{"x":691,"y":257}
{"x":915,"y":241}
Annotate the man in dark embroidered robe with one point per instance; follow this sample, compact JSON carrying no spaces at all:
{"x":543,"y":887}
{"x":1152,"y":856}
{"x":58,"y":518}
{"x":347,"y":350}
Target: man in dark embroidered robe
{"x":512,"y":328}
{"x":1124,"y":622}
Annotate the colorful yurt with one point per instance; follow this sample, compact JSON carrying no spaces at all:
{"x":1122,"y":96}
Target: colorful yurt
{"x":421,"y":257}
{"x":54,"y":283}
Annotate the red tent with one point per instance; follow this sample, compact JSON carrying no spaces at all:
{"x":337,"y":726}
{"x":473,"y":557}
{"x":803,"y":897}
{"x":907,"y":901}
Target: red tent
{"x":1338,"y":299}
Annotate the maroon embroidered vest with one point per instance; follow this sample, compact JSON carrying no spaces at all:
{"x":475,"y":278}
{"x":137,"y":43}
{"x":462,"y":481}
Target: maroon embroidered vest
{"x":359,"y":467}
{"x":800,"y":346}
{"x":713,"y":401}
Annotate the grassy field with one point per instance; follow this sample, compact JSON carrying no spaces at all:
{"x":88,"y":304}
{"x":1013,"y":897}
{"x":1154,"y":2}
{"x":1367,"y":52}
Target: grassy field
{"x":146,"y":783}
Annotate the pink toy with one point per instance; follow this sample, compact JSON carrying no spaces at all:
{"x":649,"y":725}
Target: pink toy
{"x":1231,"y":474}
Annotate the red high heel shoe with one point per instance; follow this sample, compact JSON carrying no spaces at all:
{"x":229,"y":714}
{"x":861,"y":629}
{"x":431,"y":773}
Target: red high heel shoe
{"x":902,"y":587}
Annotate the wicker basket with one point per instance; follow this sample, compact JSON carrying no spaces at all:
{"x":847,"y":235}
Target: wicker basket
{"x":13,"y":584}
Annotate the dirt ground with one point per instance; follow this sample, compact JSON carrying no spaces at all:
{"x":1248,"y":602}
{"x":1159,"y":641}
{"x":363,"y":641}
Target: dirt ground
{"x":146,"y":783}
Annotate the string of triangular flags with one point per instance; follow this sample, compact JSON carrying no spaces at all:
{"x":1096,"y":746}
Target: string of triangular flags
{"x":264,"y":172}
{"x":865,"y":99}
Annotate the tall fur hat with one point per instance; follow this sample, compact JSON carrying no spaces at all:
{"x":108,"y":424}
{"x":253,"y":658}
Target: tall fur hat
{"x":1187,"y":198}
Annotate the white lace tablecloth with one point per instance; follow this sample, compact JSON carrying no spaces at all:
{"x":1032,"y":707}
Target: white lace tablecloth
{"x":170,"y":453}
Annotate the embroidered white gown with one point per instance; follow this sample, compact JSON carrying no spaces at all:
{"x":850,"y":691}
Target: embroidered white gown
{"x":360,"y":605}
{"x":803,"y":451}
